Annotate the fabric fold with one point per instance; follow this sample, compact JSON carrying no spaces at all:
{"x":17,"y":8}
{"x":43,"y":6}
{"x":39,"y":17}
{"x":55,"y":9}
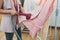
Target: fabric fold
{"x":37,"y":23}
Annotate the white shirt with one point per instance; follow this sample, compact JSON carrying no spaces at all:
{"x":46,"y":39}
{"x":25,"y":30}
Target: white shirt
{"x":6,"y":24}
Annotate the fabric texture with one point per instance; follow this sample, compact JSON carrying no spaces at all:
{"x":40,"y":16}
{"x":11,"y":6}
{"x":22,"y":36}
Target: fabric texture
{"x":40,"y":14}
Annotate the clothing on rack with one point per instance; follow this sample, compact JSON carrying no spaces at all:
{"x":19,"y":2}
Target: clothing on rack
{"x":43,"y":12}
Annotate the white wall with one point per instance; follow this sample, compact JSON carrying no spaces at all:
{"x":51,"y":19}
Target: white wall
{"x":52,"y":18}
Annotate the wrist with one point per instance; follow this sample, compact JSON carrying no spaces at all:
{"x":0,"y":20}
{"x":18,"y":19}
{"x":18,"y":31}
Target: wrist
{"x":9,"y":11}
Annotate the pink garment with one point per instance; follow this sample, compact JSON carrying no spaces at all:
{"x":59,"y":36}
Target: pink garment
{"x":38,"y":22}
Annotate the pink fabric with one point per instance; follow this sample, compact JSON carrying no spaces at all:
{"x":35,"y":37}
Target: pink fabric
{"x":37,"y":23}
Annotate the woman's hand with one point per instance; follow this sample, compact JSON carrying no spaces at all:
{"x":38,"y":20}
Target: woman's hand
{"x":21,"y":9}
{"x":13,"y":12}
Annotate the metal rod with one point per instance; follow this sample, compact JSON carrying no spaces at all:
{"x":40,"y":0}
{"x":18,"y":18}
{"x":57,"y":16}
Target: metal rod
{"x":55,"y":32}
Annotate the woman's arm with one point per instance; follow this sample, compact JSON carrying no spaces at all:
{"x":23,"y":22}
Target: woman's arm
{"x":2,"y":11}
{"x":8,"y":11}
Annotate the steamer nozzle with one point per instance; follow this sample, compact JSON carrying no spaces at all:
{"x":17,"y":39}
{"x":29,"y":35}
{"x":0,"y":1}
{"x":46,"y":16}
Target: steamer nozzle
{"x":28,"y":15}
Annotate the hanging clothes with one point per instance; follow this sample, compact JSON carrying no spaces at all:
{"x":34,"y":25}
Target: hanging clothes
{"x":40,"y":14}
